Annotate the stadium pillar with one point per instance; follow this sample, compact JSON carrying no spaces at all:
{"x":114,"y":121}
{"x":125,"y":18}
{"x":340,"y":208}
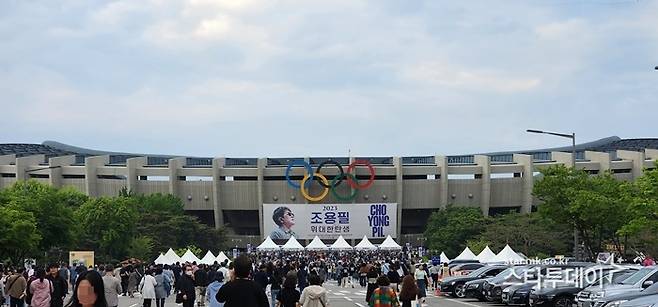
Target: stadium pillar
{"x":397,"y":162}
{"x":262,"y":162}
{"x":217,"y":166}
{"x":56,"y":164}
{"x":484,"y":162}
{"x":637,"y":158}
{"x":131,"y":167}
{"x":602,"y":158}
{"x":23,"y":163}
{"x":174,"y":164}
{"x":565,"y":158}
{"x":525,"y":161}
{"x":648,"y":154}
{"x":91,"y":173}
{"x":442,"y":165}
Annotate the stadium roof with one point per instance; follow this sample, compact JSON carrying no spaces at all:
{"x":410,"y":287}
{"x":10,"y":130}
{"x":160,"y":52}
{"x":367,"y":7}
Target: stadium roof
{"x":53,"y":149}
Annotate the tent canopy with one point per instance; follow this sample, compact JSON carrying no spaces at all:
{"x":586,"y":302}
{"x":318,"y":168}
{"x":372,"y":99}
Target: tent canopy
{"x":485,"y":255}
{"x":171,"y":257}
{"x":292,"y":245}
{"x":466,"y":254}
{"x":221,"y":257}
{"x":160,"y":260}
{"x":340,"y":244}
{"x":209,"y":258}
{"x":365,"y":244}
{"x":316,"y":244}
{"x":444,"y":258}
{"x":389,"y":244}
{"x":190,"y":257}
{"x":507,"y":255}
{"x":267,"y":245}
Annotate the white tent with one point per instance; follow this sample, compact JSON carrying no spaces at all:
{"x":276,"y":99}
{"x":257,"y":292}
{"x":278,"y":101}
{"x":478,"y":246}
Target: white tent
{"x":365,"y":245}
{"x":209,"y":258}
{"x":340,"y":244}
{"x":292,"y":245}
{"x":485,"y":255}
{"x":316,"y":244}
{"x":190,"y":257}
{"x":268,"y":245}
{"x":507,"y":255}
{"x":160,"y":260}
{"x":444,"y":258}
{"x":466,"y":254}
{"x":171,"y":257}
{"x":389,"y":244}
{"x":221,"y":257}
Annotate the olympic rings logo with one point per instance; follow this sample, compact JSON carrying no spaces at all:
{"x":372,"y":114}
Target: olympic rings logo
{"x":348,"y":176}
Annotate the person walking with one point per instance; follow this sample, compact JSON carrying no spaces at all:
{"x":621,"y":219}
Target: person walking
{"x":201,"y":282}
{"x":421,"y":279}
{"x":89,"y":290}
{"x":147,"y":288}
{"x":185,"y":290}
{"x":15,"y":287}
{"x":302,"y":277}
{"x":162,"y":282}
{"x":124,"y":275}
{"x":133,"y":281}
{"x":371,"y":279}
{"x":409,"y":291}
{"x":112,"y":287}
{"x":289,"y":296}
{"x":314,"y":295}
{"x":276,"y":281}
{"x":60,"y":285}
{"x":169,"y":274}
{"x":41,"y":289}
{"x":211,"y":290}
{"x":240,"y":291}
{"x":384,"y":295}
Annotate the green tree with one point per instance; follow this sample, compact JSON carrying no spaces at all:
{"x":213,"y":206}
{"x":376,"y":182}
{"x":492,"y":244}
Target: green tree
{"x":526,"y":233}
{"x":52,"y":209}
{"x":108,"y":225}
{"x":449,"y":229}
{"x":595,"y":205}
{"x":193,"y":248}
{"x":142,"y":248}
{"x":20,"y":237}
{"x":643,"y":208}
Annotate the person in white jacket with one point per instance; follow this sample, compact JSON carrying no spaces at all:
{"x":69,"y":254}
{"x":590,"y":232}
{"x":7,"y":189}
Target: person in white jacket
{"x":314,"y":295}
{"x":147,"y":288}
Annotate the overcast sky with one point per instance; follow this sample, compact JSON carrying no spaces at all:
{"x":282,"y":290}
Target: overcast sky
{"x":307,"y":78}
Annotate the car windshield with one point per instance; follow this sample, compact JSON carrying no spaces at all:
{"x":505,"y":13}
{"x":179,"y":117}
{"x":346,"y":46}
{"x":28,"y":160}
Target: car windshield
{"x":637,"y":276}
{"x":479,"y":271}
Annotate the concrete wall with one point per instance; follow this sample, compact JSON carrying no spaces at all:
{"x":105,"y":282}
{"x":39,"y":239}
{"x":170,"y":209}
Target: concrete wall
{"x":487,"y":185}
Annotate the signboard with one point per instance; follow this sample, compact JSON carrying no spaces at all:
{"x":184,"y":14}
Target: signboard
{"x":328,"y":221}
{"x":81,"y":257}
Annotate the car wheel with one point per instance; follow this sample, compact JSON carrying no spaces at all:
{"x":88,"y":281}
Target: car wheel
{"x":460,"y":290}
{"x":562,"y":301}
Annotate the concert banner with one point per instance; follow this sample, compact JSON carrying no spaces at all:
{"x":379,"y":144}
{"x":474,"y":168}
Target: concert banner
{"x":328,"y":221}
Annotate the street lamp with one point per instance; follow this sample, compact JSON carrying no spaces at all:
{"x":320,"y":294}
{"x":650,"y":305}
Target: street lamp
{"x":571,"y":136}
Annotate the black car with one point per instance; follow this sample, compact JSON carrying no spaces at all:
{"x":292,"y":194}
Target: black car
{"x":616,"y":300}
{"x":565,"y":296}
{"x":455,"y":285}
{"x":519,"y":294}
{"x":492,"y":289}
{"x":473,"y":288}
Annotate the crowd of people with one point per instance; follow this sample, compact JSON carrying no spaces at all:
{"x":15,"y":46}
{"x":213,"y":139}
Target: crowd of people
{"x":276,"y":279}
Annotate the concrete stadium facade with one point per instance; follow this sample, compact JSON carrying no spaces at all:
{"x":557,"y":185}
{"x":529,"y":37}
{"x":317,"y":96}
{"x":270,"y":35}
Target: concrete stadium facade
{"x":222,"y":192}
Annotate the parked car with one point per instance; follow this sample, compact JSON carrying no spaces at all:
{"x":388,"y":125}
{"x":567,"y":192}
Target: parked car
{"x":616,"y":300}
{"x":519,"y":294}
{"x":455,"y":285}
{"x":594,"y":296}
{"x":644,"y":301}
{"x":465,"y":268}
{"x":565,"y":295}
{"x":493,"y":289}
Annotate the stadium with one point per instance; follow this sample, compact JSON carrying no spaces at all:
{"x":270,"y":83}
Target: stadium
{"x":232,"y":192}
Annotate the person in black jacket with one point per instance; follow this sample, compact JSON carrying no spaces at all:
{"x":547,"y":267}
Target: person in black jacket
{"x":201,"y":282}
{"x":185,"y":287}
{"x":241,"y":291}
{"x":261,"y":277}
{"x":60,"y":286}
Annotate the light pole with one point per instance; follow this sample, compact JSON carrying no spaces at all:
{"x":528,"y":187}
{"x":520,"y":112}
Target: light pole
{"x":571,"y":136}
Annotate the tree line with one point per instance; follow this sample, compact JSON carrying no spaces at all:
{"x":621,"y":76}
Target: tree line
{"x":42,"y":222}
{"x":608,"y":214}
